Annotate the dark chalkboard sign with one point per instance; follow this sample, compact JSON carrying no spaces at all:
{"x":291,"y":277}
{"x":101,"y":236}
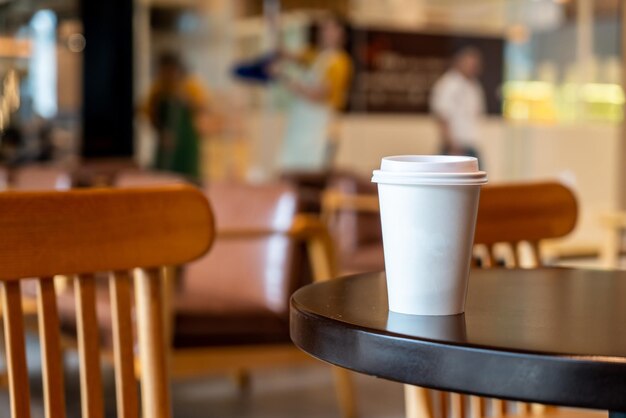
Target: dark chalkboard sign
{"x":395,"y":71}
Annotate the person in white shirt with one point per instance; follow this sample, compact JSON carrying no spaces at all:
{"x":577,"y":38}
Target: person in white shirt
{"x":458,"y":103}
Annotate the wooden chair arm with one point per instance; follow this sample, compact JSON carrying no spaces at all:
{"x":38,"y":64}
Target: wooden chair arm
{"x":306,"y":228}
{"x":334,"y":200}
{"x":320,"y":245}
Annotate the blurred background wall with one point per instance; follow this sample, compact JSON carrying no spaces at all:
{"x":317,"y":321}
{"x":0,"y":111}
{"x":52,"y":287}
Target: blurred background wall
{"x":553,"y":75}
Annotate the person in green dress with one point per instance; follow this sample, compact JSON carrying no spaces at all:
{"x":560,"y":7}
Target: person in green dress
{"x":177,"y":108}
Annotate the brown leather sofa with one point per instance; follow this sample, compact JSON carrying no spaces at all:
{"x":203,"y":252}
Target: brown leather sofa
{"x":239,"y":294}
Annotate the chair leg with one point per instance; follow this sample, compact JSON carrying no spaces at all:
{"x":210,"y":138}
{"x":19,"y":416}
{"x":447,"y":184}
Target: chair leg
{"x":242,"y":379}
{"x":344,"y":387}
{"x":4,"y":377}
{"x":541,"y":409}
{"x":609,"y":253}
{"x":417,"y":402}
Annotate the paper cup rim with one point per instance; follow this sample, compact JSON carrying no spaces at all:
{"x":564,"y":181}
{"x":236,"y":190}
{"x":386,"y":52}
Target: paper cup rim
{"x":429,"y":164}
{"x":419,"y":178}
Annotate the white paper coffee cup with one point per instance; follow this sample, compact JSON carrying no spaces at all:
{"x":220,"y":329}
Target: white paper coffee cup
{"x":428,"y":206}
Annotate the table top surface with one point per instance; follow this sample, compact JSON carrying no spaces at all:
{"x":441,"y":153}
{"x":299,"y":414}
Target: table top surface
{"x":551,"y":335}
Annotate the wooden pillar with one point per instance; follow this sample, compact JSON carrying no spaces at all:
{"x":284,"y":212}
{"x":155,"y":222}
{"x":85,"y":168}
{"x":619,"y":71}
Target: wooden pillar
{"x":108,"y":110}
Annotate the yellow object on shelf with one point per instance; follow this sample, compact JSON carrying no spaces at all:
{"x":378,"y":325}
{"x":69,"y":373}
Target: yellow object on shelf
{"x":539,"y":101}
{"x":529,"y":100}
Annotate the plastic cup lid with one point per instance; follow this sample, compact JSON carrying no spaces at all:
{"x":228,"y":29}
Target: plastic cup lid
{"x":429,"y":169}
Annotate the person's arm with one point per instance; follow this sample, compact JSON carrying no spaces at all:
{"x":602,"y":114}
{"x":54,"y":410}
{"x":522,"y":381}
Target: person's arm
{"x":335,"y":82}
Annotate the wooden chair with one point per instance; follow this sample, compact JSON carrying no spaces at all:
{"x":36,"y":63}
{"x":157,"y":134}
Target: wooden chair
{"x":82,"y":233}
{"x":508,"y":215}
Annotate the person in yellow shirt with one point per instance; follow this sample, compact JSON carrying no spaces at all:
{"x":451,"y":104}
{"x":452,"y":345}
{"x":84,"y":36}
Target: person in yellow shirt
{"x":177,"y":108}
{"x":321,"y":91}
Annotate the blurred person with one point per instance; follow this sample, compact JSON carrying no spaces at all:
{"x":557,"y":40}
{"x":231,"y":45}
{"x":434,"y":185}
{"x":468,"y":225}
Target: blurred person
{"x":177,"y":106}
{"x":320,"y":87}
{"x":458,"y":103}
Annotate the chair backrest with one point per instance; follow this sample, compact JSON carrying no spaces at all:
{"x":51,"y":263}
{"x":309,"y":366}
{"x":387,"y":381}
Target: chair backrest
{"x":40,"y":177}
{"x":80,"y":233}
{"x":252,"y":262}
{"x":523,"y":212}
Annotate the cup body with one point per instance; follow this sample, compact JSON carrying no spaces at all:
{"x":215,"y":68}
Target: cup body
{"x":428,"y":208}
{"x":428,"y":232}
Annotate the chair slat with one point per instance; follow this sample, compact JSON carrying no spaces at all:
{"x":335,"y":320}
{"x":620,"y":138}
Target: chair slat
{"x":168,"y":278}
{"x":457,"y":405}
{"x":442,"y":398}
{"x":417,"y":402}
{"x":155,"y":400}
{"x":498,"y":408}
{"x":515,"y":253}
{"x":523,"y":408}
{"x":125,"y":386}
{"x":88,"y":347}
{"x":51,"y":357}
{"x":477,"y":406}
{"x":491,"y":255}
{"x":534,"y":245}
{"x":16,"y":350}
{"x":345,"y":392}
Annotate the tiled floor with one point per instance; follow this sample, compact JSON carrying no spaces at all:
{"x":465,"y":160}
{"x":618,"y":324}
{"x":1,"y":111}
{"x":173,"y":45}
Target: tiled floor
{"x":300,"y":392}
{"x":305,"y":392}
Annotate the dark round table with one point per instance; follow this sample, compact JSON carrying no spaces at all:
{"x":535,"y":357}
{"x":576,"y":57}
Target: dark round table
{"x":554,"y":336}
